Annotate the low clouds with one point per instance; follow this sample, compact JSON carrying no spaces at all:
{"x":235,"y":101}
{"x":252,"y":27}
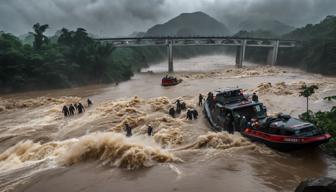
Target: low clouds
{"x":122,"y":17}
{"x":292,"y":12}
{"x":104,"y":17}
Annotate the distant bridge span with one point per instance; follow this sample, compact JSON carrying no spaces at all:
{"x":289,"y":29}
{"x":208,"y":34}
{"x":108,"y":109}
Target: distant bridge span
{"x":240,"y":43}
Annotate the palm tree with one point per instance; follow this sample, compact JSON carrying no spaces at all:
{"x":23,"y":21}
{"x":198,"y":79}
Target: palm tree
{"x":39,"y":37}
{"x":307,"y":91}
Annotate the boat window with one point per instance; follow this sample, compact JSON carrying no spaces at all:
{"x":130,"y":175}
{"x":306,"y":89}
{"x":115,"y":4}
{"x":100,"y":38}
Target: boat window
{"x":251,"y":112}
{"x":287,"y":132}
{"x":274,"y":130}
{"x":307,"y":131}
{"x":248,"y":112}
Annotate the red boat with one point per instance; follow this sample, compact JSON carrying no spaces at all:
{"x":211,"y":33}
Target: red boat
{"x":170,"y":81}
{"x":287,"y":133}
{"x":249,"y":118}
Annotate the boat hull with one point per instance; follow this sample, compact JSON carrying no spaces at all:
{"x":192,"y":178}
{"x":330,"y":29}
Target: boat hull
{"x":170,"y":83}
{"x":289,"y":146}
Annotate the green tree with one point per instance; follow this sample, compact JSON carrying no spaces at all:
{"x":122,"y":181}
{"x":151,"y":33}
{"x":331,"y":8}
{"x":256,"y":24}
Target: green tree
{"x":330,"y":98}
{"x":307,"y":91}
{"x":39,"y":37}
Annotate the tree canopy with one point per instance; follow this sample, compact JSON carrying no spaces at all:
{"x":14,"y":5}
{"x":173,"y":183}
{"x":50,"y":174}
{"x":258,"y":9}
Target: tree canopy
{"x":75,"y":59}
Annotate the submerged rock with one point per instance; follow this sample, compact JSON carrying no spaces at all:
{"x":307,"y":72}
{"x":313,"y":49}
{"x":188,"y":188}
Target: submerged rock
{"x":322,"y":184}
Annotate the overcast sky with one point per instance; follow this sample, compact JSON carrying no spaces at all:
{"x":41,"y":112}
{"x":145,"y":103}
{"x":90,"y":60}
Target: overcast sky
{"x":122,"y":17}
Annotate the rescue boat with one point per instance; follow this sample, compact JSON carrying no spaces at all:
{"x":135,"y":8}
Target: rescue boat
{"x":250,"y":118}
{"x":286,"y":133}
{"x":170,"y":81}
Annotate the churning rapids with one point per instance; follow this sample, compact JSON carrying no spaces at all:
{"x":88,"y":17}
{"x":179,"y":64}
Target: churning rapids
{"x":42,"y":151}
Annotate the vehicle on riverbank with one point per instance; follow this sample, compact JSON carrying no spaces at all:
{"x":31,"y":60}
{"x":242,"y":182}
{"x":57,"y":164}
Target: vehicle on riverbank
{"x":250,"y":118}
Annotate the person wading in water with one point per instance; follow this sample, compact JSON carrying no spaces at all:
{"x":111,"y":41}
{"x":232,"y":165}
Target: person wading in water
{"x":149,"y":130}
{"x":72,"y":109}
{"x":128,"y":130}
{"x":200,"y":100}
{"x":80,"y":108}
{"x":89,"y":102}
{"x":65,"y":111}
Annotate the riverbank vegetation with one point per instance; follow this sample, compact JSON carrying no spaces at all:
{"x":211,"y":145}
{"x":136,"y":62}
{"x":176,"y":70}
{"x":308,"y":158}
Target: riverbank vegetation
{"x":316,"y":50}
{"x":75,"y":59}
{"x":72,"y":58}
{"x":327,"y":121}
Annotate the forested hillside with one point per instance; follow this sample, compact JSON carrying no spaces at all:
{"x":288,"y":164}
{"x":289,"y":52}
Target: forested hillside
{"x":73,"y":58}
{"x":316,"y":51}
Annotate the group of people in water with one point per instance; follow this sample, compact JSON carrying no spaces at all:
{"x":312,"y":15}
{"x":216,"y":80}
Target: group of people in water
{"x":128,"y":130}
{"x":72,"y":108}
{"x":231,"y":122}
{"x":181,"y":106}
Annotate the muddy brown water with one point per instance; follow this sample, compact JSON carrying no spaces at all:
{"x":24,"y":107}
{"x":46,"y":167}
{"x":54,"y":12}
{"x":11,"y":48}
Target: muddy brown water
{"x":78,"y":153}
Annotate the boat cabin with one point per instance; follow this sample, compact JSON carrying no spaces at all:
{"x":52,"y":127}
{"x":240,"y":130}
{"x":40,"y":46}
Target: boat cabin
{"x":289,"y":127}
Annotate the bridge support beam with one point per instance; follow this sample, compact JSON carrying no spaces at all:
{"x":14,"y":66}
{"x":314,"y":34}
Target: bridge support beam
{"x":170,"y":57}
{"x":273,"y":54}
{"x":240,"y":54}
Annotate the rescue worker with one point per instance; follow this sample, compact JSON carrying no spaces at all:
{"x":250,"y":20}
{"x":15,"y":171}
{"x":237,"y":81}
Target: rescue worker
{"x":128,"y":130}
{"x":71,"y":110}
{"x":89,"y":102}
{"x":149,"y":130}
{"x":178,"y":106}
{"x":183,"y":106}
{"x":229,"y":123}
{"x":189,"y":114}
{"x":80,"y":108}
{"x":200,"y":100}
{"x":210,"y":100}
{"x":76,"y":106}
{"x":65,"y":111}
{"x":255,"y":97}
{"x":243,"y":123}
{"x":172,"y":112}
{"x":194,"y":113}
{"x":236,"y":121}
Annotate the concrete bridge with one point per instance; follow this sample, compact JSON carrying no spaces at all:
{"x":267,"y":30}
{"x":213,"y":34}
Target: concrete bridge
{"x":240,"y":43}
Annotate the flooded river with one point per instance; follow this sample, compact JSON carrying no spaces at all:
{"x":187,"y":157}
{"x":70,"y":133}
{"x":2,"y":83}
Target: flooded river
{"x":40,"y":150}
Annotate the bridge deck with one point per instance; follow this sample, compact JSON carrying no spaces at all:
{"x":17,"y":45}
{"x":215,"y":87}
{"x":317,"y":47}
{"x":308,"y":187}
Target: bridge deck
{"x":240,"y":43}
{"x":192,"y":41}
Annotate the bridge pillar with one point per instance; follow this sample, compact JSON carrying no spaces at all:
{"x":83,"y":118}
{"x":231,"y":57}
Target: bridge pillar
{"x":240,"y":54}
{"x":170,"y":57}
{"x":273,"y":54}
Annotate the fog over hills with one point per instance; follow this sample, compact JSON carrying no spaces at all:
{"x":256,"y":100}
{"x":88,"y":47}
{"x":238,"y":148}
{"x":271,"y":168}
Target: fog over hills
{"x":274,"y":26}
{"x":120,"y":18}
{"x":190,"y":24}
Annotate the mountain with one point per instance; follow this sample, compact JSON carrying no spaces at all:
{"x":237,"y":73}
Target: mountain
{"x":190,"y":24}
{"x":256,"y":34}
{"x":274,"y":26}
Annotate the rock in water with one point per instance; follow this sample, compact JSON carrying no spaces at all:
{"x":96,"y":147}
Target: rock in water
{"x":322,"y":184}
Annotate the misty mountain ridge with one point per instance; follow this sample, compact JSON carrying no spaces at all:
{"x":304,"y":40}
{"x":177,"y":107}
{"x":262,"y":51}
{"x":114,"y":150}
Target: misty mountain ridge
{"x":273,"y":26}
{"x":190,"y":24}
